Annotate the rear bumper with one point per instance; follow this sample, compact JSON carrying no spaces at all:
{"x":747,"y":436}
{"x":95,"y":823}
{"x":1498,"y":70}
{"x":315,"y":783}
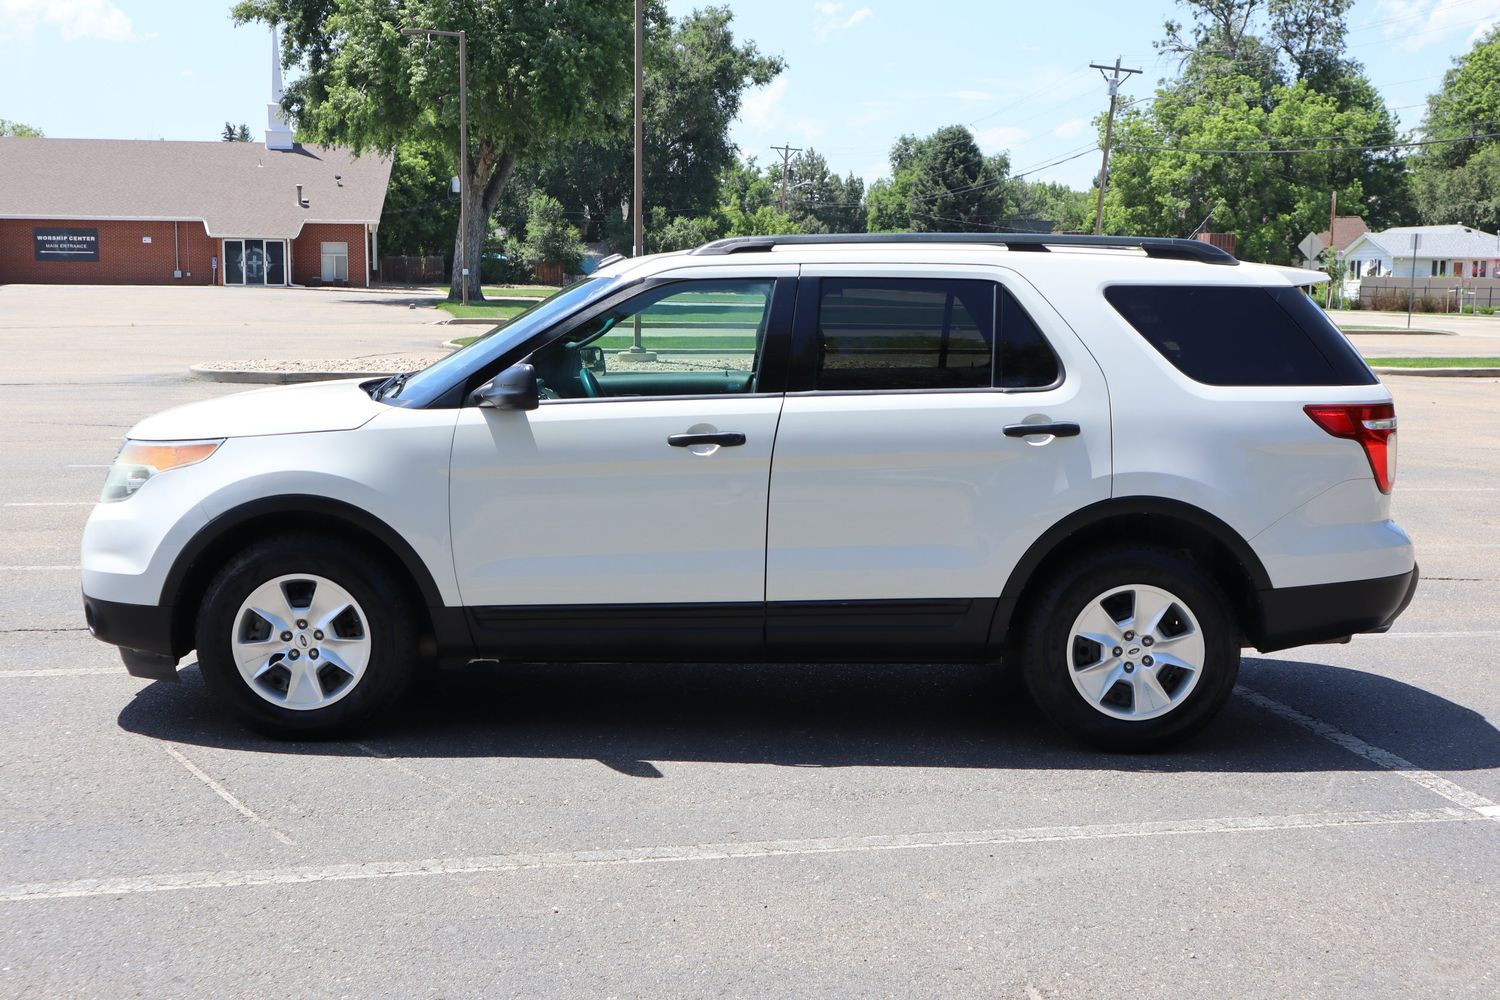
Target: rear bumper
{"x":142,"y":631}
{"x":1295,"y":616}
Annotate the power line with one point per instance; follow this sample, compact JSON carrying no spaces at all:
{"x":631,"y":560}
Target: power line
{"x":786,"y":162}
{"x":1327,"y":149}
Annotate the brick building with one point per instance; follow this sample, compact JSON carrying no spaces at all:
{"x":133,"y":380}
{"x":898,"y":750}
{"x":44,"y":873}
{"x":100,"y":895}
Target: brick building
{"x":110,"y":211}
{"x":132,"y":212}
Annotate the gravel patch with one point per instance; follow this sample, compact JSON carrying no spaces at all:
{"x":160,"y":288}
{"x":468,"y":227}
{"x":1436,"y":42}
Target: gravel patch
{"x":374,"y":364}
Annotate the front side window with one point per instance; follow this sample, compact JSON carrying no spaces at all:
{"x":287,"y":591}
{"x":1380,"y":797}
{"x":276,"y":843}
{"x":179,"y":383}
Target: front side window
{"x":687,"y":338}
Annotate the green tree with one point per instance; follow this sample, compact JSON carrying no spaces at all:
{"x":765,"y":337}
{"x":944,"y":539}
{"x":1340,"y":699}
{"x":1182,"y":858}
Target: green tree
{"x":942,"y":183}
{"x":695,"y":77}
{"x":1459,"y":181}
{"x":20,"y":130}
{"x":539,"y":76}
{"x":235,"y":133}
{"x":421,"y":213}
{"x":1046,"y":201}
{"x":819,"y":200}
{"x":550,"y":237}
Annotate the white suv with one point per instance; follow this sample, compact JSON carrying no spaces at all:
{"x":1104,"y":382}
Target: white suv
{"x":1113,"y":461}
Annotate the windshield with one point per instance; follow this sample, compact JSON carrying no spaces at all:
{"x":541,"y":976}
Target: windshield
{"x":421,"y":388}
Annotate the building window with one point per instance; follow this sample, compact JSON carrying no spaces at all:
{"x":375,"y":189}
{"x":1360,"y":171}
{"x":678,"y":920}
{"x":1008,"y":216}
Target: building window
{"x":335,"y":262}
{"x":1440,"y":269}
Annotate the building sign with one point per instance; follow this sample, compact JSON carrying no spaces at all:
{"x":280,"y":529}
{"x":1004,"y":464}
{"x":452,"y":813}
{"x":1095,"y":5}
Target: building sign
{"x":65,"y":244}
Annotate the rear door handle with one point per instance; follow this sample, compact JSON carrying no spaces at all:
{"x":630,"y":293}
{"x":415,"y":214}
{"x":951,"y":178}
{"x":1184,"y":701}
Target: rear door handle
{"x":1062,"y":430}
{"x":724,"y":439}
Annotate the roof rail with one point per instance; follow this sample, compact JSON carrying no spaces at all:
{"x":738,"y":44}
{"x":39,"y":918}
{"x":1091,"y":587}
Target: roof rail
{"x":1153,"y":246}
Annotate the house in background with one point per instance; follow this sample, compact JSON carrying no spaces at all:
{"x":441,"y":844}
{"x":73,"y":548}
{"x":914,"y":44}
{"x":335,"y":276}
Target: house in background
{"x":1451,"y":264}
{"x":1345,"y":229}
{"x":122,"y":211}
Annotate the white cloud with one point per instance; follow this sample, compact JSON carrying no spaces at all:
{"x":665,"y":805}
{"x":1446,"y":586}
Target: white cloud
{"x":100,"y":20}
{"x":1070,"y":128}
{"x":992,"y":140}
{"x":1420,"y":23}
{"x":759,"y":107}
{"x":829,"y":18}
{"x":971,"y":95}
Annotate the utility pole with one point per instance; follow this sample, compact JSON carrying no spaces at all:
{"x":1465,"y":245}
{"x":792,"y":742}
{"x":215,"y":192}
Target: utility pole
{"x":640,"y":133}
{"x":1411,"y":291}
{"x":1333,"y":214}
{"x":1116,"y":74}
{"x":463,"y":151}
{"x":786,"y":166}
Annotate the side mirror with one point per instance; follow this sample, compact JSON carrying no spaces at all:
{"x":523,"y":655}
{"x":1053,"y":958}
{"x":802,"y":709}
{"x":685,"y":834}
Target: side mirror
{"x":513,"y":389}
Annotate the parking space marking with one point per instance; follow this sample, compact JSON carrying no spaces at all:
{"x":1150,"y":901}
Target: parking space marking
{"x":500,"y":863}
{"x":458,"y":792}
{"x":1457,"y":794}
{"x":65,"y":672}
{"x":226,"y":795}
{"x":50,"y":503}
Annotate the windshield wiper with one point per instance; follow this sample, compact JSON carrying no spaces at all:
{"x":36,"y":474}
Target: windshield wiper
{"x":392,"y":386}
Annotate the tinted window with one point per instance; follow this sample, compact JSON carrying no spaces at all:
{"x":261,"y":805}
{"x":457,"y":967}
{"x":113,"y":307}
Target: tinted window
{"x":1241,"y":335}
{"x":905,"y":333}
{"x":1024,"y":360}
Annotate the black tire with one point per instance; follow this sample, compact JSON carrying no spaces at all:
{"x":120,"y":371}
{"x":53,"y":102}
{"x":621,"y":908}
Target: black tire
{"x":392,"y":628}
{"x":1046,"y":640}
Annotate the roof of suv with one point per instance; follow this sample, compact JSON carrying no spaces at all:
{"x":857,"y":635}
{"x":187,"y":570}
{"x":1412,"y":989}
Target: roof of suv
{"x":1173,"y":261}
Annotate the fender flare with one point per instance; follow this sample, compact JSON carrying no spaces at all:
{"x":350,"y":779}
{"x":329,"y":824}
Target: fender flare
{"x":1162,"y":507}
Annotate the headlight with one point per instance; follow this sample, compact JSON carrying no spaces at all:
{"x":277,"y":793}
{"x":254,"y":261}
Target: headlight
{"x":138,"y":461}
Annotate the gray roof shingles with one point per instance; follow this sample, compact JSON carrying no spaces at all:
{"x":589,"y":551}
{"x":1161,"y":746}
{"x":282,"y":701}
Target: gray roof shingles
{"x":236,"y":188}
{"x":1438,"y":242}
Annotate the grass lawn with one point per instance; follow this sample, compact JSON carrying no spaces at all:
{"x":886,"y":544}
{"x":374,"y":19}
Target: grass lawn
{"x":483,"y":310}
{"x":1391,"y":329}
{"x":1434,"y":362}
{"x":520,"y":291}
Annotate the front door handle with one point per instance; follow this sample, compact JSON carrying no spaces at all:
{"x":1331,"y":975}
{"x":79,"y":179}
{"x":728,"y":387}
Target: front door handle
{"x":724,"y":439}
{"x":1062,"y":430}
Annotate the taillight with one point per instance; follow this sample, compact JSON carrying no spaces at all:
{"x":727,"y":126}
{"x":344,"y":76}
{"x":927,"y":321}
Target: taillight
{"x":1373,"y":425}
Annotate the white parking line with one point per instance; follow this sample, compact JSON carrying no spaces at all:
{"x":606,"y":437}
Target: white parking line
{"x":65,"y":672}
{"x":497,"y":863}
{"x":49,"y":503}
{"x":226,"y":795}
{"x":1437,"y":784}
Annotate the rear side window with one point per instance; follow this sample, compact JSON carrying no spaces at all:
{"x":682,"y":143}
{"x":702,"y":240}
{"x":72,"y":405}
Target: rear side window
{"x":1241,"y":335}
{"x":918,"y":333}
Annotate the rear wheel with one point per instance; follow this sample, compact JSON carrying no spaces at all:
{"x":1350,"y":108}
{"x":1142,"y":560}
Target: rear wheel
{"x":1133,"y":649}
{"x":306,"y":637}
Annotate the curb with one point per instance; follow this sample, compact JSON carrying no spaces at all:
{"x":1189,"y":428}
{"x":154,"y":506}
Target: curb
{"x":275,"y":377}
{"x":1441,"y":372}
{"x":472,"y":321}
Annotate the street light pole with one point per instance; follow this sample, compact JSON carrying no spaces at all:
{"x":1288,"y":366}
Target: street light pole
{"x":462,"y":263}
{"x":640,"y":131}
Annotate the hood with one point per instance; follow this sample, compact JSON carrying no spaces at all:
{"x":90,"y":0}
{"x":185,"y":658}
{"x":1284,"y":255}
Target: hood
{"x":287,"y":409}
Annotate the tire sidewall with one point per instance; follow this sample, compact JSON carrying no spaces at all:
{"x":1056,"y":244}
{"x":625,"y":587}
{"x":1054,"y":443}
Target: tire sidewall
{"x":387,"y":619}
{"x":1048,"y":637}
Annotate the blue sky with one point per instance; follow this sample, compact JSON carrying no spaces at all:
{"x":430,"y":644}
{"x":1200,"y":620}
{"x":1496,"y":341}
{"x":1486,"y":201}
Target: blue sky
{"x":859,"y":72}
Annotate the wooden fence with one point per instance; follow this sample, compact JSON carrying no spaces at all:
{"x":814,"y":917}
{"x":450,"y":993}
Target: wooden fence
{"x":1428,"y":294}
{"x":414,"y":270}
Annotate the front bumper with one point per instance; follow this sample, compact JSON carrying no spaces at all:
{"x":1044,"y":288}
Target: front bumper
{"x":1296,"y":616}
{"x":142,"y":631}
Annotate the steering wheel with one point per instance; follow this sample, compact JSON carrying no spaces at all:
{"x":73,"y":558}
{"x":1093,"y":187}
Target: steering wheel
{"x":589,"y":383}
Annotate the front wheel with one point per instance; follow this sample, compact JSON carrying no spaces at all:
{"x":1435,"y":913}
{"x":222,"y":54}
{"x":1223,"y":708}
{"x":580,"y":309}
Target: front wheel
{"x":306,"y":637}
{"x":1133,"y":649}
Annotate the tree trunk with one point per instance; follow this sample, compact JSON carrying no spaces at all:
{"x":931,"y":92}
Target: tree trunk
{"x":480,"y":192}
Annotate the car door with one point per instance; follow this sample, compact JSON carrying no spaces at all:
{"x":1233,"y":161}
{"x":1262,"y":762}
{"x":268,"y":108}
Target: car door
{"x":628,"y":511}
{"x":904,"y":486}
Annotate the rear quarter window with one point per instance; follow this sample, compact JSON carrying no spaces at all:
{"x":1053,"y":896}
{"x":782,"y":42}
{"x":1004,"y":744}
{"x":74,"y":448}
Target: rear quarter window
{"x":1241,"y":335}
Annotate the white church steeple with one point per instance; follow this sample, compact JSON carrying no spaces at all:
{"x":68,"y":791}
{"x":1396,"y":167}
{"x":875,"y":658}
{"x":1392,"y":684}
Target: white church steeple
{"x":278,"y":134}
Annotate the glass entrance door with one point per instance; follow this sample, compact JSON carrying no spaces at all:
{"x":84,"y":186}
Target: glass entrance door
{"x":255,"y":262}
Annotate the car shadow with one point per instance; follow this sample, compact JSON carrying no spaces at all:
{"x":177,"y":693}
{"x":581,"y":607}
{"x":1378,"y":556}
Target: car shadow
{"x":864,"y":715}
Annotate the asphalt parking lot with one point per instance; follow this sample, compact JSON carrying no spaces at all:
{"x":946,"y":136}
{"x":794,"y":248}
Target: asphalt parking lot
{"x":720,"y":830}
